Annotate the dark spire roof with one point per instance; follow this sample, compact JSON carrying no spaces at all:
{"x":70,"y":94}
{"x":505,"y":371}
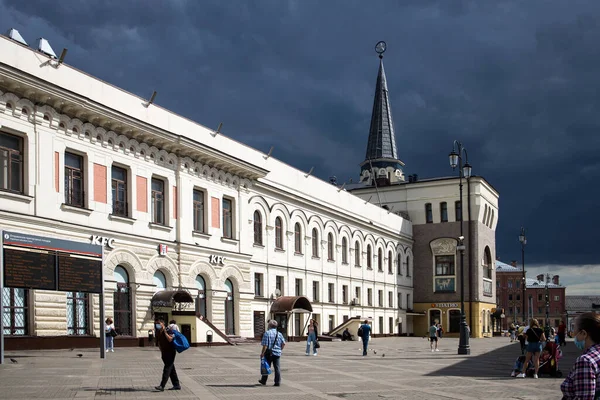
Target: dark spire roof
{"x":382,"y":141}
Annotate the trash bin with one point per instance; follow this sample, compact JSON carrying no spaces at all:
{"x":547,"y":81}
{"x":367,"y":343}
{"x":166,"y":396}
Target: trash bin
{"x":209,"y":337}
{"x":150,"y":336}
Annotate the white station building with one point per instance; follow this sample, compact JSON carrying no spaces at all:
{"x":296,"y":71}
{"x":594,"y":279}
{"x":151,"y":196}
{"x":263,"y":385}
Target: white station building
{"x":193,"y":223}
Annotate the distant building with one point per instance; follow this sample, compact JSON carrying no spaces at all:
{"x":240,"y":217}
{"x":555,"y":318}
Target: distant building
{"x":509,"y":289}
{"x":576,"y":305}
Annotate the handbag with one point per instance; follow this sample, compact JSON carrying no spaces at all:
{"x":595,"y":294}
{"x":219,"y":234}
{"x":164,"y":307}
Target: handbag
{"x":264,"y":367}
{"x":180,"y":342}
{"x":316,"y":345}
{"x":112,"y":333}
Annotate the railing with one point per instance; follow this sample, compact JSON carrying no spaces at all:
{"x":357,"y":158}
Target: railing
{"x":74,"y":197}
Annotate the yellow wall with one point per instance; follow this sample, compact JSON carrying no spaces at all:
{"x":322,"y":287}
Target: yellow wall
{"x":422,"y":323}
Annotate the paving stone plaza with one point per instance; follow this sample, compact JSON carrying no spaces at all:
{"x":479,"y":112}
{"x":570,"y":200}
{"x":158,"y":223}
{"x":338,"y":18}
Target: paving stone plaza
{"x":397,"y":368}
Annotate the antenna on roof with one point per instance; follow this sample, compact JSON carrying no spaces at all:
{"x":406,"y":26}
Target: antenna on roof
{"x":61,"y":59}
{"x":215,"y":133}
{"x":391,"y":209}
{"x":147,"y":104}
{"x":309,"y":172}
{"x":369,"y":199}
{"x":342,"y":188}
{"x":269,"y":155}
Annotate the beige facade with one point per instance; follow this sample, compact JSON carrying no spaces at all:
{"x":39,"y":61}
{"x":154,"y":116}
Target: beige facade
{"x":96,"y":161}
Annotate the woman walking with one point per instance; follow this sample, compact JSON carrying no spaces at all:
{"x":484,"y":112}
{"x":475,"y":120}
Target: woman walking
{"x":582,"y":382}
{"x":109,"y":330}
{"x":535,"y":337}
{"x":313,"y":333}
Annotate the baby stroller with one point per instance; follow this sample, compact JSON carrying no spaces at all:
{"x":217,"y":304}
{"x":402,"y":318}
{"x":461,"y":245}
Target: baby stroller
{"x":551,"y":353}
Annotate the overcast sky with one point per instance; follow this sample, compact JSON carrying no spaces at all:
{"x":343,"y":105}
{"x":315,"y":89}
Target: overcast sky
{"x":518,"y":82}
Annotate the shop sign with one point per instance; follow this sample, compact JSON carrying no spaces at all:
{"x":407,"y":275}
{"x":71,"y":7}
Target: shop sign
{"x":163,"y":249}
{"x":218,"y":260}
{"x":444,"y":305}
{"x":103,"y":241}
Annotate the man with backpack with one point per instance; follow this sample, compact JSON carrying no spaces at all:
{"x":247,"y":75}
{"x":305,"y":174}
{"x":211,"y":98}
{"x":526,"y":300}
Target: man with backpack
{"x":272,"y":344}
{"x":167,"y":352}
{"x":364,"y":332}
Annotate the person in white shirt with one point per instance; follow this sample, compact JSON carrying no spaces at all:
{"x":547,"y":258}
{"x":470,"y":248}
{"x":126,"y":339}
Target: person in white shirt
{"x":173,"y":326}
{"x":109,"y":330}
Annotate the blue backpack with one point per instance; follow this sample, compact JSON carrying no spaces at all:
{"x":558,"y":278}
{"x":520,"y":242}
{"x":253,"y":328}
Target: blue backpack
{"x":180,"y":342}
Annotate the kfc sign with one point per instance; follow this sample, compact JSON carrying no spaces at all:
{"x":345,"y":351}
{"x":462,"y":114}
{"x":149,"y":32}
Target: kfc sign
{"x":103,"y":241}
{"x":218,"y":260}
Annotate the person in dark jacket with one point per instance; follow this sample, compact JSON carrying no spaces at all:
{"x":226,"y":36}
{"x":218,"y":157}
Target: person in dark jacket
{"x":365,"y":334}
{"x":167,"y":352}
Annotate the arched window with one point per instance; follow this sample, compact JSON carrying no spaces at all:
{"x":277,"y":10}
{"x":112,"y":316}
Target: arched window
{"x":380,"y":260}
{"x":444,"y":211}
{"x":278,"y":233}
{"x":487,"y":263}
{"x":201,"y":298}
{"x":399,"y":262}
{"x":229,"y":309}
{"x":315,"y":243}
{"x":297,"y":238}
{"x":122,"y":302}
{"x":159,"y":281}
{"x":407,"y":266}
{"x":356,"y":254}
{"x":390,"y":262}
{"x":369,"y":256}
{"x":344,"y":251}
{"x":330,"y":246}
{"x":257,"y":228}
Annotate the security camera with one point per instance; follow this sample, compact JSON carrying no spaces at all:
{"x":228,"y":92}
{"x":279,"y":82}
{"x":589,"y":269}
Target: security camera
{"x":461,"y":238}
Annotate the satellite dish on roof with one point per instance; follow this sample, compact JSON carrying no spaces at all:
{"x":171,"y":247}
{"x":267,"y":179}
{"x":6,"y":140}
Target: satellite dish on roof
{"x":277,"y":293}
{"x":44,"y":47}
{"x":398,"y":173}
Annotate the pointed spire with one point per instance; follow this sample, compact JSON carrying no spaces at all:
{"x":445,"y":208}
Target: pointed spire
{"x":381,"y":158}
{"x":382,"y":140}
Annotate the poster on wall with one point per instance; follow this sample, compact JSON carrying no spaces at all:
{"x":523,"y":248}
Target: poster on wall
{"x":445,"y":284}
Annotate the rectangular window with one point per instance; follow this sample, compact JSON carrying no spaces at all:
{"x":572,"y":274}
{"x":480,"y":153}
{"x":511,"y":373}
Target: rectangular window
{"x":315,"y":293}
{"x":227,"y":218}
{"x":539,"y":297}
{"x":11,"y":160}
{"x":345,"y":294}
{"x":279,"y":284}
{"x":77,"y":313}
{"x":74,"y":180}
{"x":198,"y":200}
{"x":331,"y":292}
{"x":331,"y":322}
{"x":298,"y":287}
{"x":158,"y":201}
{"x":16,"y":312}
{"x":370,"y":297}
{"x":381,"y":325}
{"x":258,"y":285}
{"x":357,"y":293}
{"x":390,"y":299}
{"x":510,"y":297}
{"x":119,"y":191}
{"x":556,"y":298}
{"x":428,"y":213}
{"x":458,"y":211}
{"x":518,"y":284}
{"x":444,"y":211}
{"x":400,"y":300}
{"x":539,"y":310}
{"x":518,"y":310}
{"x":408,"y":305}
{"x":518,"y":297}
{"x":510,"y":283}
{"x":380,"y":298}
{"x":444,"y":265}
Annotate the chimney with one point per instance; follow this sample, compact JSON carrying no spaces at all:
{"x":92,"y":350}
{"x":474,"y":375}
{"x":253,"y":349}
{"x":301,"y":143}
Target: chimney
{"x":555,"y":280}
{"x":540,"y":278}
{"x":513,"y":263}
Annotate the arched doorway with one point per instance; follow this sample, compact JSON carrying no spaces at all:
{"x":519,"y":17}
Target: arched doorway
{"x":201,"y":298}
{"x":229,"y":309}
{"x":122,"y":302}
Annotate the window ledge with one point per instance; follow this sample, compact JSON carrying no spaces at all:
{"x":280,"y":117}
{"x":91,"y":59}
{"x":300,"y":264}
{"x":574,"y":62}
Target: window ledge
{"x":160,"y":227}
{"x":298,"y":254}
{"x":77,"y":210}
{"x":278,"y":250}
{"x":344,"y":263}
{"x":315,"y":258}
{"x":229,"y":240}
{"x":201,"y":235}
{"x":16,"y":196}
{"x":331,"y":261}
{"x":120,"y":218}
{"x":258,"y":245}
{"x":357,"y":266}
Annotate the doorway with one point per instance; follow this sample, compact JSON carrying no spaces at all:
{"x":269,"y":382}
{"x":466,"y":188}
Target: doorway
{"x":454,"y":316}
{"x":259,"y":324}
{"x":229,"y":309}
{"x":282,"y":324}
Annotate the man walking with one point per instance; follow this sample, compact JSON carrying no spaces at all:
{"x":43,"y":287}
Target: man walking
{"x":167,"y":352}
{"x":433,"y":332}
{"x":272,"y":344}
{"x":364,"y":331}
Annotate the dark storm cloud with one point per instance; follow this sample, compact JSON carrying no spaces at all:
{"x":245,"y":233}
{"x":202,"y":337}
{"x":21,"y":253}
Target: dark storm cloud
{"x":516,"y":81}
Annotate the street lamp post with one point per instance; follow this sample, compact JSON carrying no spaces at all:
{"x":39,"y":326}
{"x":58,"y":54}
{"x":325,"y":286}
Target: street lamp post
{"x":523,"y":240}
{"x":464,"y":170}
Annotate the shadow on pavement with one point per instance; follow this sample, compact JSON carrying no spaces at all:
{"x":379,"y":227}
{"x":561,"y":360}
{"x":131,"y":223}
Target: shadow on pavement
{"x":240,"y":385}
{"x":104,"y":391}
{"x":499,"y":363}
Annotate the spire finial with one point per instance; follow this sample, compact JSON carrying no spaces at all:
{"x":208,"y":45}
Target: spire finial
{"x":380,"y":48}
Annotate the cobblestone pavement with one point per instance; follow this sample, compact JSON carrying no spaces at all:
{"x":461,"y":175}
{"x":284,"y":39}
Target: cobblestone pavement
{"x":396,"y":368}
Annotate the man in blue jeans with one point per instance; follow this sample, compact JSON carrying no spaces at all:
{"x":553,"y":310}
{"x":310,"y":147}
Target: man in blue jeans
{"x":365,"y":333}
{"x":272,"y":344}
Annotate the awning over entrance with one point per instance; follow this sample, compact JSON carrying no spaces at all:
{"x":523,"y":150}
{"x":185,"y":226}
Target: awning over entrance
{"x":291,"y":304}
{"x":167,"y":298}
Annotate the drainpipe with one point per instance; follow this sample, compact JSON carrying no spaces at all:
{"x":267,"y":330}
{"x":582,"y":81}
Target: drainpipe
{"x":471,"y":244}
{"x":179,"y":207}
